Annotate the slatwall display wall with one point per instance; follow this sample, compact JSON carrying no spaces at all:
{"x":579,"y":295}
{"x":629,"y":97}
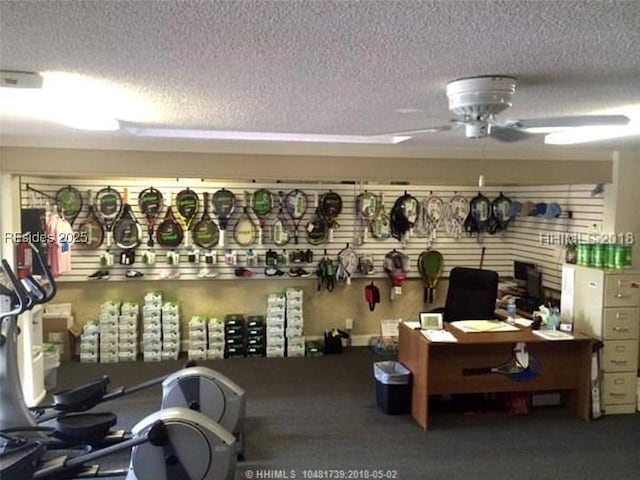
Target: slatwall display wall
{"x":541,"y":240}
{"x":532,"y":239}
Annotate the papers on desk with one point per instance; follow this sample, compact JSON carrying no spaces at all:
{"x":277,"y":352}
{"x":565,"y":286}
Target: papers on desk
{"x":474,"y":326}
{"x":412,"y":325}
{"x":438,"y":336}
{"x":523,"y":322}
{"x":552,"y":334}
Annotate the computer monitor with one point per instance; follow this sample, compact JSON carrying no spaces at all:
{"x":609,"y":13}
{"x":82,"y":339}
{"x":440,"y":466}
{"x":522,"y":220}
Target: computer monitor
{"x":534,"y":285}
{"x":521,"y":269}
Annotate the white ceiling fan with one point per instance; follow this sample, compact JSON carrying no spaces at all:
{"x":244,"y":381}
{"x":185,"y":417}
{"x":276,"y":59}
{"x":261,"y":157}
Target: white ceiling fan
{"x":475,"y":102}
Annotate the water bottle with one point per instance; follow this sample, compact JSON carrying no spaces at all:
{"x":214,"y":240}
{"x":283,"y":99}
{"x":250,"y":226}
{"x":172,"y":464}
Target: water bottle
{"x":511,"y":309}
{"x":553,"y":320}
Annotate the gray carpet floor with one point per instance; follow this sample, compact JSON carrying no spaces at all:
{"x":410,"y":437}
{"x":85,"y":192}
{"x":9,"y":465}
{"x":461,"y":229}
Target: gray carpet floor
{"x":318,"y":418}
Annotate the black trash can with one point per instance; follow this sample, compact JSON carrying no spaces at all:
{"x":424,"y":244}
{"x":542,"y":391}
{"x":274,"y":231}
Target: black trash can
{"x":393,"y":387}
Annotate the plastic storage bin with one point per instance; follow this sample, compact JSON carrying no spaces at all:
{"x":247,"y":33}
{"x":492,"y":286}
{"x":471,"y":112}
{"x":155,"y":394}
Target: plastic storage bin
{"x":393,"y":387}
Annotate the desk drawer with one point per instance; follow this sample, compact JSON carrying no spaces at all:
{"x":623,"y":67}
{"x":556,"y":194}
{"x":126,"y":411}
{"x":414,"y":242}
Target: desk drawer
{"x":621,"y":323}
{"x":620,"y":356}
{"x":619,"y":388}
{"x":622,"y":290}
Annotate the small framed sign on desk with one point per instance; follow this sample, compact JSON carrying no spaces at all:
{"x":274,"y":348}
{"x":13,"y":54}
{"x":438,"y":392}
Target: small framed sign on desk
{"x":431,"y":321}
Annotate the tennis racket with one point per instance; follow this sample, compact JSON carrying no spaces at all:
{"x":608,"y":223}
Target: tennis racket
{"x":69,"y":201}
{"x":317,"y":229}
{"x":381,"y":227}
{"x":91,"y":230}
{"x":150,"y":201}
{"x":296,"y":206}
{"x":432,"y":266}
{"x":330,"y":207}
{"x":261,"y":204}
{"x":205,"y":232}
{"x":368,"y":206}
{"x":169,"y":233}
{"x":347,"y":265}
{"x":224,"y":203}
{"x":520,"y":366}
{"x":457,"y":211}
{"x":434,"y":211}
{"x":187,"y":204}
{"x":109,"y":205}
{"x":244,"y":231}
{"x":126,"y":230}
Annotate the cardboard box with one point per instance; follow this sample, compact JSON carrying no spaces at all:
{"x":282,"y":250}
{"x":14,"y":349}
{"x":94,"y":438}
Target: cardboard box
{"x":61,"y":330}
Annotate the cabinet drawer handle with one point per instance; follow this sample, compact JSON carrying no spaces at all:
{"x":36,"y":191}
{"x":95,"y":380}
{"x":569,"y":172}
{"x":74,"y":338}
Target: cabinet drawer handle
{"x":619,"y":395}
{"x":621,"y":348}
{"x":620,"y":329}
{"x":619,"y":381}
{"x":621,"y":315}
{"x":619,"y":295}
{"x":619,"y":362}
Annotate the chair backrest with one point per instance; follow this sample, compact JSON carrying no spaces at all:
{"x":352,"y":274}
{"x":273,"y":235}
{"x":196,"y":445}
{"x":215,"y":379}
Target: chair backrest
{"x":472,"y":294}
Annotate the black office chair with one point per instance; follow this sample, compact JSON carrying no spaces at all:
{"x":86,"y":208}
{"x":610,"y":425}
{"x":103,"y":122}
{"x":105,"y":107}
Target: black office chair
{"x":472,"y":295}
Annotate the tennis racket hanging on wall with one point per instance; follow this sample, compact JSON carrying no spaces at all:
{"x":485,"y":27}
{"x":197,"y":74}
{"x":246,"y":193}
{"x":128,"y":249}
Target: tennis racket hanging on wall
{"x":296,"y":206}
{"x":109,"y":205}
{"x":330,"y":207}
{"x":280,"y":228}
{"x":261,"y":204}
{"x":368,"y":205}
{"x":381,"y":226}
{"x":169,"y":232}
{"x":127,"y":232}
{"x":150,"y":201}
{"x":206,"y":233}
{"x":69,"y":200}
{"x":224,"y":203}
{"x":91,"y":230}
{"x":245,"y":231}
{"x":187,"y":205}
{"x":456,"y":212}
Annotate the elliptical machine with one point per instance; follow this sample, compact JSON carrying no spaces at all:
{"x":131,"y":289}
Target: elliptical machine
{"x":198,"y":388}
{"x":205,"y":450}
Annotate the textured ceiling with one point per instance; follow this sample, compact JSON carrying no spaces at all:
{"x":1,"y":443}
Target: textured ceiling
{"x":329,"y":67}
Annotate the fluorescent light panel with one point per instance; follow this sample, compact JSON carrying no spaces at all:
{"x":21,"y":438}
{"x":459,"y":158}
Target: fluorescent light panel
{"x":263,"y":136}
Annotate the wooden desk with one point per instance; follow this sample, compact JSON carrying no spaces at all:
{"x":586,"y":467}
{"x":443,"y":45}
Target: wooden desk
{"x":437,"y":367}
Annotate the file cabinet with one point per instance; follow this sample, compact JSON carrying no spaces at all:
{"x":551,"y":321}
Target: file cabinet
{"x":605,"y":304}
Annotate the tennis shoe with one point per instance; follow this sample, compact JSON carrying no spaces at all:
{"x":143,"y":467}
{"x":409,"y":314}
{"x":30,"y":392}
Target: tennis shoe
{"x":134,"y":274}
{"x":100,"y":275}
{"x":243,"y":272}
{"x":206,"y":273}
{"x":171,"y":275}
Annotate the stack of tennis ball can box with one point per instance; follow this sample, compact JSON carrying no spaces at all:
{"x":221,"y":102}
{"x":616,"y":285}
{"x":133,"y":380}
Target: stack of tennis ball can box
{"x":89,"y":343}
{"x":275,"y":325}
{"x":197,"y":328}
{"x":256,"y":346}
{"x":215,"y":336}
{"x":170,"y":331}
{"x":295,"y":323}
{"x":108,"y":323}
{"x":235,"y":335}
{"x":152,"y":327}
{"x":128,"y":332}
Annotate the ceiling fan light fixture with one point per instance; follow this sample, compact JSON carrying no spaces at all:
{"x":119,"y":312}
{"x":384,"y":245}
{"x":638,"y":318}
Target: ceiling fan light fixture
{"x":478,"y":98}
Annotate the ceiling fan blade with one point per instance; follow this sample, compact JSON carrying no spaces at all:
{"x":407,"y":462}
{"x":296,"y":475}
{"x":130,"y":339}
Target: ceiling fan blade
{"x":509,"y":135}
{"x":569,"y":121}
{"x":411,"y":133}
